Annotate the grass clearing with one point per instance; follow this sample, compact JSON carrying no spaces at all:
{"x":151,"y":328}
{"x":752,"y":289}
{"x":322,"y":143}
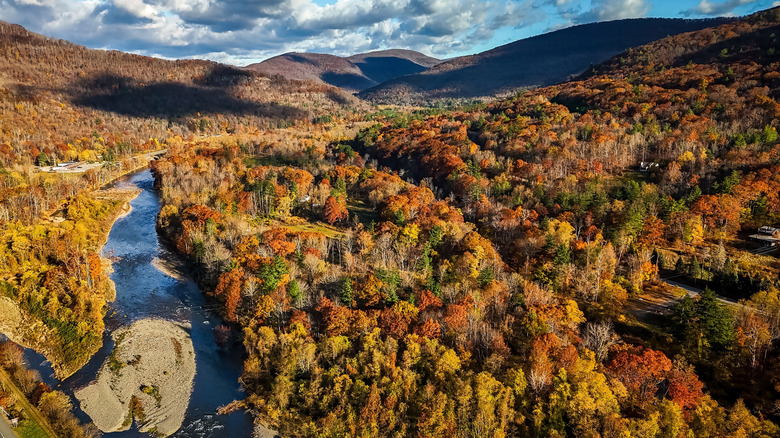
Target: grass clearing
{"x":364,"y":211}
{"x":30,"y":429}
{"x":314,"y":227}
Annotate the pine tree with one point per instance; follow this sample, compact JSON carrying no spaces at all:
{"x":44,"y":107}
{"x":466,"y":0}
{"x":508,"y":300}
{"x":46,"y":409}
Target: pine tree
{"x":346,"y":291}
{"x":716,"y":320}
{"x":294,"y":291}
{"x":681,"y":267}
{"x":696,"y":271}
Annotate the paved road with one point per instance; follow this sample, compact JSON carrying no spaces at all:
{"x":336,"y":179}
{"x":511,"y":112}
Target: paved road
{"x":5,"y":428}
{"x":693,"y":291}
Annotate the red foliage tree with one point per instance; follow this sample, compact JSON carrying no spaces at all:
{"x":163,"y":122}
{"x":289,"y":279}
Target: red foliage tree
{"x":229,"y":285}
{"x":335,"y":209}
{"x":640,"y":370}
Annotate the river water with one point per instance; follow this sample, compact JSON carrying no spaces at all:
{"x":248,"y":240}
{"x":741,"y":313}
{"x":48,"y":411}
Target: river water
{"x":142,"y":291}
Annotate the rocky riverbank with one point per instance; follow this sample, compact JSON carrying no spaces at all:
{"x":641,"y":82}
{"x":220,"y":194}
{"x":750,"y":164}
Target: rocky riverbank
{"x":147,"y":378}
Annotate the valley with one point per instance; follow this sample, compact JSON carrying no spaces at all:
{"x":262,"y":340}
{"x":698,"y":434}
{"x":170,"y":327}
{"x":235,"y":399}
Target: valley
{"x":520,"y":242}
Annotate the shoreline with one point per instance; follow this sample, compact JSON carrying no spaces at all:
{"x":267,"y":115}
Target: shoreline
{"x":152,"y":366}
{"x":171,"y":264}
{"x":28,"y":332}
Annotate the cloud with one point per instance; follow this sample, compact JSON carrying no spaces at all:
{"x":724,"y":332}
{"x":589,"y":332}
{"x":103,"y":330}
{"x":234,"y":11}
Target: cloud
{"x":605,"y":10}
{"x":246,"y":31}
{"x":240,"y":30}
{"x":227,"y":15}
{"x":709,"y":8}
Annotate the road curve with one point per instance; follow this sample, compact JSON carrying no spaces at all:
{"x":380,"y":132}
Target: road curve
{"x":693,"y":291}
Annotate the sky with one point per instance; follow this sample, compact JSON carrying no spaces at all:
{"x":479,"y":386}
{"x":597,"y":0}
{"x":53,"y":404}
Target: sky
{"x":241,"y":32}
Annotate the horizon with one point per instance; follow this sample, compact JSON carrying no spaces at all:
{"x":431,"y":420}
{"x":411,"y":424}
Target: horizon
{"x":236,"y":33}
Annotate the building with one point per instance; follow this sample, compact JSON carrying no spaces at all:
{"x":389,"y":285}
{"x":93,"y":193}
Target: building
{"x":646,"y":166}
{"x":767,"y":236}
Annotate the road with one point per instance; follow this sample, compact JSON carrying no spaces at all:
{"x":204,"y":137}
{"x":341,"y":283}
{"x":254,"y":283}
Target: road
{"x":5,"y":428}
{"x":658,"y":302}
{"x":30,"y":411}
{"x":693,"y":291}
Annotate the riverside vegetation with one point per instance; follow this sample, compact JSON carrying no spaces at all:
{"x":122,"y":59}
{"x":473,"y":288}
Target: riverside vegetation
{"x":477,"y":277}
{"x":488,"y":270}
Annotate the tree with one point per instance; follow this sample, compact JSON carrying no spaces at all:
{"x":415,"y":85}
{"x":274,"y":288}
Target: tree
{"x":693,"y":231}
{"x":599,"y":337}
{"x":346,"y":291}
{"x":717,"y":320}
{"x":703,"y":325}
{"x":229,"y":285}
{"x":335,"y":209}
{"x":273,"y":274}
{"x":641,"y":370}
{"x":684,"y":387}
{"x":294,"y":291}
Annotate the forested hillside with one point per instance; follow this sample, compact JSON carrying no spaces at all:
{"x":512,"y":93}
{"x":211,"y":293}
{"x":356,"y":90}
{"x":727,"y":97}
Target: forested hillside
{"x":63,"y":102}
{"x":54,"y":95}
{"x":501,"y":270}
{"x":353,"y":73}
{"x":532,"y":62}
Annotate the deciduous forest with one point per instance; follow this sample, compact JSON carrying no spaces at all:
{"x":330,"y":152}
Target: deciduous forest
{"x":578,"y":260}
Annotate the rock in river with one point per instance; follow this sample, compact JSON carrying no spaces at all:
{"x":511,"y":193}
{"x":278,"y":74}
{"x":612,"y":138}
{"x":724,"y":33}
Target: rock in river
{"x":147,"y":377}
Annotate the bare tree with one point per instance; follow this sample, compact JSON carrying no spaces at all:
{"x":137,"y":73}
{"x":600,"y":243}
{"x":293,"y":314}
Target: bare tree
{"x":599,"y":337}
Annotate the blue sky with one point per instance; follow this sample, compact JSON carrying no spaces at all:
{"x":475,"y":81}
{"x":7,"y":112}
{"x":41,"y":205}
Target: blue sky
{"x":658,"y":8}
{"x":244,"y":31}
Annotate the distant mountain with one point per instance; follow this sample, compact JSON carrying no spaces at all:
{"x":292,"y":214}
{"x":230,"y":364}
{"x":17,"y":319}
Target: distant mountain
{"x":385,"y":65}
{"x":353,"y":73}
{"x":537,"y":61}
{"x":58,"y":91}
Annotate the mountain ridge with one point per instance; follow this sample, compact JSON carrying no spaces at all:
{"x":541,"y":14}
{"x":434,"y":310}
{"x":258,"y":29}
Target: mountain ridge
{"x":528,"y":62}
{"x":354,"y":73}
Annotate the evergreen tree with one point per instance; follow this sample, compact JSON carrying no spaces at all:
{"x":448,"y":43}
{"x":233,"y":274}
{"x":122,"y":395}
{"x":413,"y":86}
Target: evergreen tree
{"x":696,"y":270}
{"x":346,"y":291}
{"x":562,"y":255}
{"x":681,"y":267}
{"x":294,"y":291}
{"x":716,"y":320}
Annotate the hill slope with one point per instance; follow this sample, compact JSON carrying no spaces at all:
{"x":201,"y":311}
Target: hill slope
{"x":52,"y":91}
{"x":537,"y":61}
{"x":355,"y":73}
{"x":532,"y":244}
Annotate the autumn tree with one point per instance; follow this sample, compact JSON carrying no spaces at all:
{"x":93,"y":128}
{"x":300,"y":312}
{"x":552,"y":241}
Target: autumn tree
{"x":335,"y":209}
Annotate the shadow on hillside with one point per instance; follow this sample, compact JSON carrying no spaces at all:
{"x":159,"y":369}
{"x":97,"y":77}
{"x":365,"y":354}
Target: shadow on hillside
{"x":347,"y":80}
{"x":384,"y":68}
{"x":126,"y":96}
{"x":338,"y":98}
{"x":224,"y":75}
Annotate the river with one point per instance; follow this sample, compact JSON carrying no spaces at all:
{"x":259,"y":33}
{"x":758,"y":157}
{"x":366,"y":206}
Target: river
{"x":142,"y":291}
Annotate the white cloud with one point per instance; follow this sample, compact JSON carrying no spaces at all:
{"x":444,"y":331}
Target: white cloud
{"x":706,"y":7}
{"x":605,"y":10}
{"x":245,"y":31}
{"x":240,"y":30}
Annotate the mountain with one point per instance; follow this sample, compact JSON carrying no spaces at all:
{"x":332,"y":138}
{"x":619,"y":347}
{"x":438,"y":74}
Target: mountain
{"x":52,"y":91}
{"x":354,"y":73}
{"x":546,"y":244}
{"x":537,"y":61}
{"x":385,"y":65}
